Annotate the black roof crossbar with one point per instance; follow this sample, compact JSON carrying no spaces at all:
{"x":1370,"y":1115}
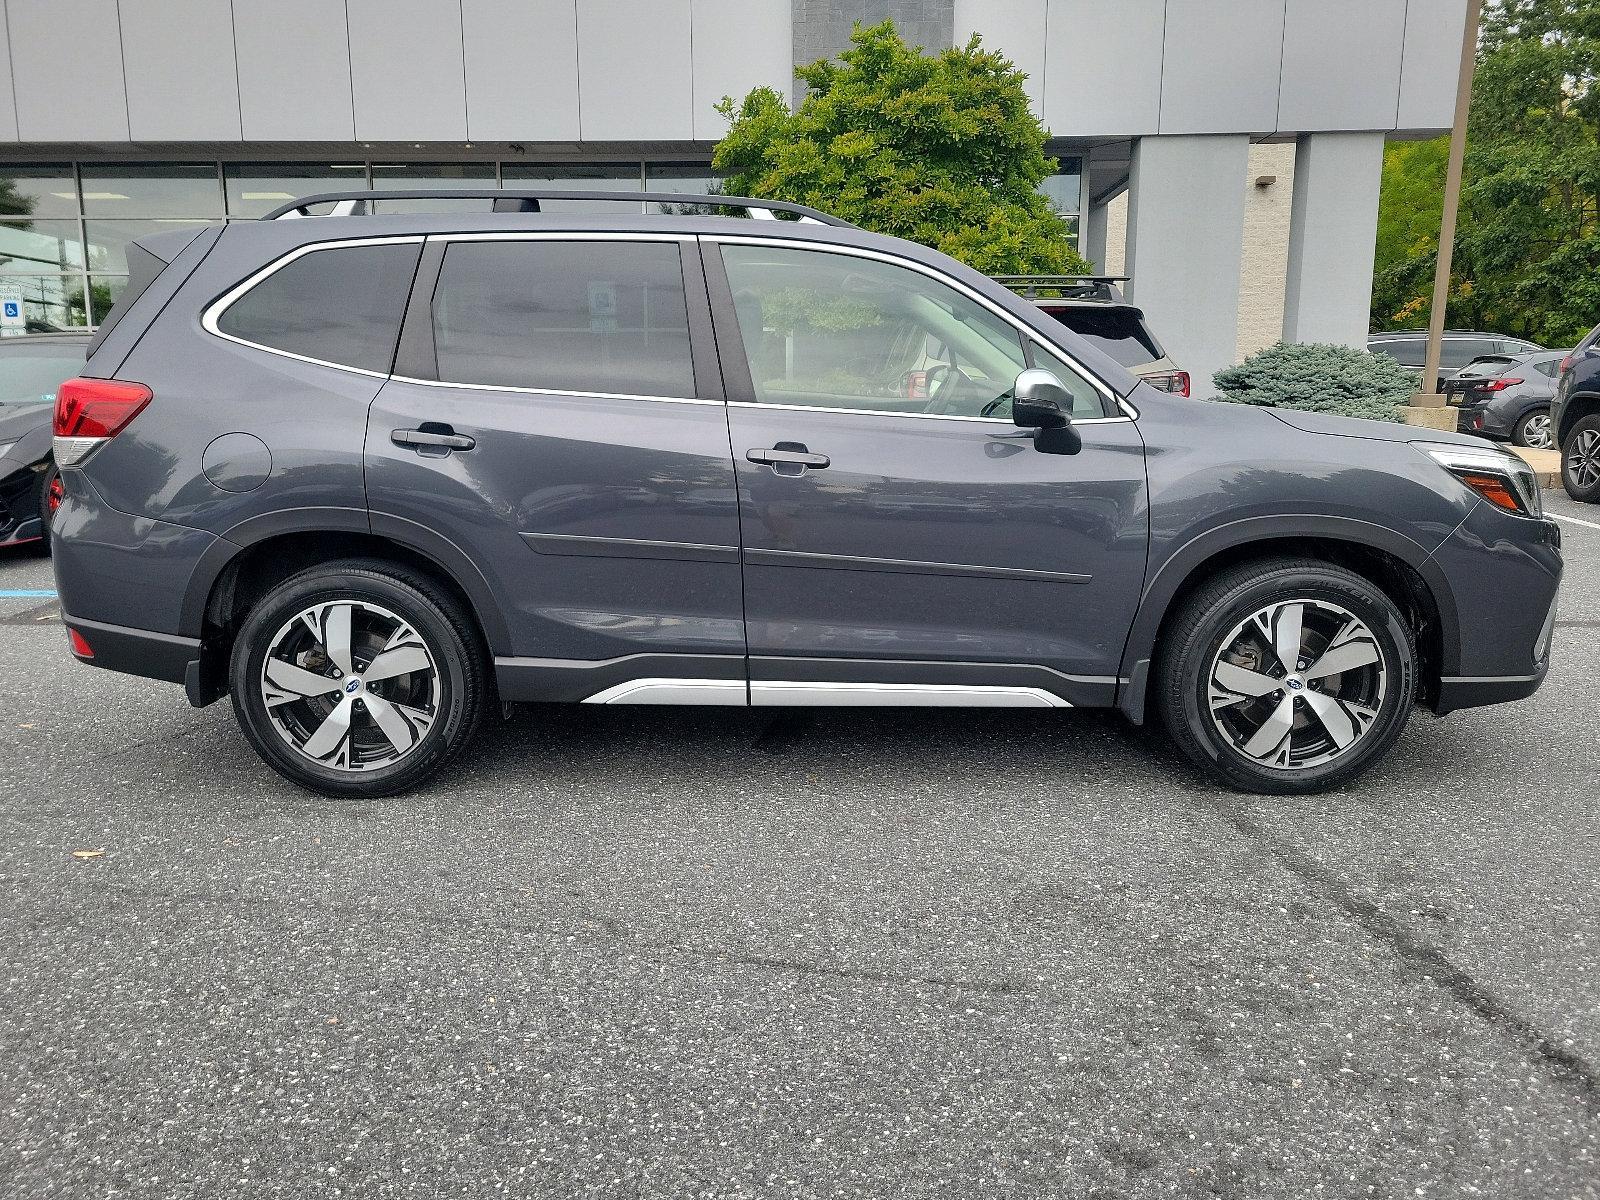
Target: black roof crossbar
{"x":1071,"y":287}
{"x":358,"y":203}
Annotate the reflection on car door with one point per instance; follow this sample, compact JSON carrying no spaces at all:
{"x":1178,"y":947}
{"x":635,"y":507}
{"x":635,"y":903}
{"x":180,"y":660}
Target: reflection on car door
{"x":908,"y":544}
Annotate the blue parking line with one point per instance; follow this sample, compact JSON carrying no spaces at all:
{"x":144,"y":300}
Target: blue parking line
{"x":26,"y":594}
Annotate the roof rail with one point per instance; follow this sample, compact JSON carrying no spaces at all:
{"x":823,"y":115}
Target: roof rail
{"x":358,"y":203}
{"x":1074,"y":287}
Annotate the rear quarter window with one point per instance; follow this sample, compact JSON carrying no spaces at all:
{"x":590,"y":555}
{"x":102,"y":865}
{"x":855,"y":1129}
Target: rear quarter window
{"x":340,"y":305}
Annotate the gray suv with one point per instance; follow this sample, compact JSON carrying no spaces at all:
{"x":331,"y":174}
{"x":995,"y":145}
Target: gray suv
{"x":374,"y":476}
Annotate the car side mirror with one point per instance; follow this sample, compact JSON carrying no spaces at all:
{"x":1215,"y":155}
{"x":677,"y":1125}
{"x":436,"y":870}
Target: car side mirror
{"x":1041,"y":402}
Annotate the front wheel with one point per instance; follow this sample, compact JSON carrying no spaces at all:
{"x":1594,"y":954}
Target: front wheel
{"x":1286,"y":676}
{"x":357,"y":679}
{"x":1580,"y":461}
{"x":1533,"y":431}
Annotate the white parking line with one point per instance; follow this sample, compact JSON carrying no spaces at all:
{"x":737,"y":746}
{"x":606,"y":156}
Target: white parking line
{"x":1574,"y":521}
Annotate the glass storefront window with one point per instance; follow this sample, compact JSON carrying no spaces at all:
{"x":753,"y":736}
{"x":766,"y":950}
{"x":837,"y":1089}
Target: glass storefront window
{"x":152,"y":190}
{"x":255,"y":189}
{"x":694,"y":179}
{"x":108,"y":240}
{"x":40,"y":247}
{"x":104,"y":291}
{"x":38,"y":191}
{"x":49,"y":302}
{"x":576,"y":177}
{"x":440,"y":176}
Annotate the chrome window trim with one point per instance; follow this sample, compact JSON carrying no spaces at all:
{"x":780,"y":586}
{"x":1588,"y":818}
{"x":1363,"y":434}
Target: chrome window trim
{"x":1094,"y":381}
{"x":531,"y":391}
{"x":214,"y":311}
{"x":1002,"y":422}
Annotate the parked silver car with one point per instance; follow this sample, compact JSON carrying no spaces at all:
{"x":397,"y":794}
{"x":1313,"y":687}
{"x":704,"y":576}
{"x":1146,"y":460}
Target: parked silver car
{"x":1508,"y":397}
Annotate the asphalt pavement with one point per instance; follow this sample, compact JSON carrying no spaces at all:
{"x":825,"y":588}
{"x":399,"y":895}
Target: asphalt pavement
{"x":654,"y":952}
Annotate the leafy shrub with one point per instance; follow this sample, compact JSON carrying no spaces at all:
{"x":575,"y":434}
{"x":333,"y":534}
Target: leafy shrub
{"x":1315,"y":378}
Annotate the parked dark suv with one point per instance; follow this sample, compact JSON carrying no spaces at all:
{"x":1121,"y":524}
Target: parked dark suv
{"x":376,"y":475}
{"x":1575,"y":420}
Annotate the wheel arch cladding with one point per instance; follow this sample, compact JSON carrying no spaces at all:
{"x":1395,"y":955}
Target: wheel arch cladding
{"x":225,"y":589}
{"x":1577,"y":407}
{"x":1393,"y":563}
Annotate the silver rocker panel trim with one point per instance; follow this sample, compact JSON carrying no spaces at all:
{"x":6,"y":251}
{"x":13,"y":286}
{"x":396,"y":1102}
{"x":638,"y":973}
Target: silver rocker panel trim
{"x":770,"y":694}
{"x":790,"y":694}
{"x":674,"y":691}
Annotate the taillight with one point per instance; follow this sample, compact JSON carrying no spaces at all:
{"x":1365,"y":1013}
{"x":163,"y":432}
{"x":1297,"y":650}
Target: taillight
{"x":92,"y":411}
{"x":1566,"y":363}
{"x":56,"y":495}
{"x":1174,"y":383}
{"x":1500,"y":385}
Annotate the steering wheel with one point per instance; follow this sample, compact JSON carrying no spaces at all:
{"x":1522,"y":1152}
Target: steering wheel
{"x":946,"y":382}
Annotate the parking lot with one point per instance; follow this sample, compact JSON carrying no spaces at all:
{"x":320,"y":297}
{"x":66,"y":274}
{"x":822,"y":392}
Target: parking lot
{"x":658,"y":952}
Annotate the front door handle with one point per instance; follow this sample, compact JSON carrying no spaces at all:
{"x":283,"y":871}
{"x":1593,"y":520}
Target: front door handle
{"x":432,"y":439}
{"x":789,"y":458}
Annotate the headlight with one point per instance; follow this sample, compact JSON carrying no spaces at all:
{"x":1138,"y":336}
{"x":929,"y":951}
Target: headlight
{"x":1504,"y":480}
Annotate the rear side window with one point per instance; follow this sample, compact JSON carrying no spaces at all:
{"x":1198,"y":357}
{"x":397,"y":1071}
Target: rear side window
{"x":1458,"y":352}
{"x":1118,"y":332}
{"x":1408,"y":352}
{"x":341,"y":305}
{"x":583,"y":316}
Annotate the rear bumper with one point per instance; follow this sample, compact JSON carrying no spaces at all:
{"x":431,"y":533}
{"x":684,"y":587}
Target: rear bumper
{"x":161,"y":656}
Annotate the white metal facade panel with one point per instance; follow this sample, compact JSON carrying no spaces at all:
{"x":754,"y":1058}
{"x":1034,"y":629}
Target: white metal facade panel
{"x":1341,"y":65}
{"x":66,"y":67}
{"x":178,"y":55}
{"x":1016,"y":28}
{"x":521,"y":70}
{"x":1220,"y":66}
{"x":634,"y":70}
{"x":406,"y":70}
{"x":1431,"y":63}
{"x":737,"y":45}
{"x":303,"y":39}
{"x":1103,"y":67}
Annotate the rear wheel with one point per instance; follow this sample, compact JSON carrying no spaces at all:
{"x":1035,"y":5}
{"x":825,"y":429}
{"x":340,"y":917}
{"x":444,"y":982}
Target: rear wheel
{"x":1286,"y":676}
{"x":357,"y":679}
{"x":1533,"y":431}
{"x":1580,"y":461}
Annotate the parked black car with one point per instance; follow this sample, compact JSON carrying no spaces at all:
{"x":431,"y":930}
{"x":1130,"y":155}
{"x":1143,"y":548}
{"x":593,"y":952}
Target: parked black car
{"x":1575,"y":420}
{"x":1508,"y":397}
{"x":32,"y":366}
{"x":1409,"y":347}
{"x":372,"y":475}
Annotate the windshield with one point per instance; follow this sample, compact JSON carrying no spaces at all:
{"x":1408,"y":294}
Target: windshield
{"x":33,"y":376}
{"x":1118,"y":332}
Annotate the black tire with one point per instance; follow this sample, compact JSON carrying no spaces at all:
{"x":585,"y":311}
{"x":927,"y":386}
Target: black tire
{"x":1197,"y":634}
{"x":459,"y":665}
{"x":46,"y":517}
{"x":1577,"y":451}
{"x":1526,"y":431}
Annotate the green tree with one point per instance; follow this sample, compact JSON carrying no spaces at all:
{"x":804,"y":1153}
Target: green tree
{"x":1527,"y":254}
{"x":939,"y":149}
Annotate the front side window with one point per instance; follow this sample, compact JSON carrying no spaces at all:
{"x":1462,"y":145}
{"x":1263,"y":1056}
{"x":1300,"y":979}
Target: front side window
{"x":580,"y":316}
{"x":824,"y":330}
{"x":339,"y":305}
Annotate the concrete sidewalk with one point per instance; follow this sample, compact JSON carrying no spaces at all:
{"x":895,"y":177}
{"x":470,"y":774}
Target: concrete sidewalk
{"x":1547,"y":464}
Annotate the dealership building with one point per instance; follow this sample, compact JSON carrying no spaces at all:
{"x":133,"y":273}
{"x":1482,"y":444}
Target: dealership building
{"x":1225,"y":153}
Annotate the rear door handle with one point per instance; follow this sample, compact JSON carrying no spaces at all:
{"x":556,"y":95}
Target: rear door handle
{"x":432,"y":439}
{"x":789,"y":458}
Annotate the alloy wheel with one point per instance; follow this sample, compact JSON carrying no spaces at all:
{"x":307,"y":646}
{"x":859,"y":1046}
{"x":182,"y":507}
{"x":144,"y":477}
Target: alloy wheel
{"x":1297,"y":684}
{"x":350,"y":685}
{"x":1583,"y":461}
{"x":1536,"y":430}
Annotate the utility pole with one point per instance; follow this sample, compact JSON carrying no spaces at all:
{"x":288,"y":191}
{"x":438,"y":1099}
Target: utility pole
{"x":1430,"y":397}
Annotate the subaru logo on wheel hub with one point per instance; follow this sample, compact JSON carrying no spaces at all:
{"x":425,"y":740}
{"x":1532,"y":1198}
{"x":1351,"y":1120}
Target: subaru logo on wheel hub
{"x":1294,"y":684}
{"x":353,"y":686}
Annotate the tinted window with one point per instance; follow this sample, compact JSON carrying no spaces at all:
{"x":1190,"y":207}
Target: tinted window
{"x":836,"y":331}
{"x":30,"y":373}
{"x":1548,"y":367}
{"x":342,"y":305}
{"x":1458,"y":352}
{"x":1118,"y":332}
{"x":564,"y":316}
{"x":1408,"y":352}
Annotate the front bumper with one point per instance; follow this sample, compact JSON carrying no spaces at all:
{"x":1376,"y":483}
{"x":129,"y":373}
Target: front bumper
{"x":1504,"y":574}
